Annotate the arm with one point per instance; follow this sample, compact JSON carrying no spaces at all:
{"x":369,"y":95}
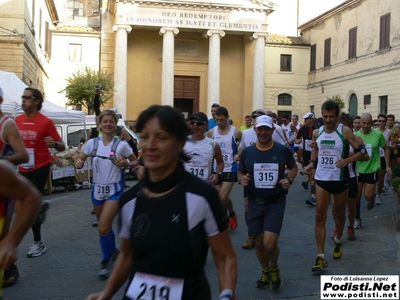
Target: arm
{"x":210,"y":133}
{"x":225,"y":260}
{"x":286,"y":138}
{"x":355,"y":143}
{"x":28,"y":200}
{"x":387,"y":159}
{"x":392,"y":140}
{"x":214,"y":178}
{"x":12,"y":136}
{"x":238,"y":135}
{"x":314,"y":154}
{"x":119,"y":274}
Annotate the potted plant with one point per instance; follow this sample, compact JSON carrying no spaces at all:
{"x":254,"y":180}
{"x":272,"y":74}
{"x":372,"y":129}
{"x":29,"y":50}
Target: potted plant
{"x":395,"y":181}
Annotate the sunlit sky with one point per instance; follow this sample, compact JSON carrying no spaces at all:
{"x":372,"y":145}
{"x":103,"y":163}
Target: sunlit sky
{"x":284,"y":19}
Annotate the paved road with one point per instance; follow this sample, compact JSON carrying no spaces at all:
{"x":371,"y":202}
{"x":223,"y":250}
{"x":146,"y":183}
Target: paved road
{"x":68,"y":269}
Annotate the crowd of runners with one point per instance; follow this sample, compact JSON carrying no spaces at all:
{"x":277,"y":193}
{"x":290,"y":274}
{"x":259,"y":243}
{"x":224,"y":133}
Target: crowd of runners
{"x":182,"y":202}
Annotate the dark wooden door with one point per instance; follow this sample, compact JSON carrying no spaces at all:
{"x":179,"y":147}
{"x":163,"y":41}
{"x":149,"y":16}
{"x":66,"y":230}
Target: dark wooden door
{"x":186,"y":94}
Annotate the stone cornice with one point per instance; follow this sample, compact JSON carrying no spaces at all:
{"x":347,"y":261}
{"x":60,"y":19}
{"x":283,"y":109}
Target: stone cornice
{"x":255,"y":5}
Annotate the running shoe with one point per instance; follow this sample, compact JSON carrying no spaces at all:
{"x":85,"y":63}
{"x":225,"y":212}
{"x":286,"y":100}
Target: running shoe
{"x":378,"y":200}
{"x":11,"y":276}
{"x":385,"y":190}
{"x":350,"y":234}
{"x":276,"y":282}
{"x":249,"y":244}
{"x":320,"y":264}
{"x":95,"y":222}
{"x":357,"y":223}
{"x":44,"y":208}
{"x":337,"y":250}
{"x":264,"y":281}
{"x":36,"y":249}
{"x":311,"y":200}
{"x":232,"y":224}
{"x":105,"y":269}
{"x":305,"y":185}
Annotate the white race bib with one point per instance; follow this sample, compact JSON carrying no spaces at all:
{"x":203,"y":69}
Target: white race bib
{"x":327,"y":159}
{"x":103,"y":191}
{"x":369,"y":149}
{"x":153,"y":287}
{"x":265,"y":175}
{"x":197,"y":170}
{"x":31,"y":163}
{"x":381,"y":152}
{"x":307,"y":145}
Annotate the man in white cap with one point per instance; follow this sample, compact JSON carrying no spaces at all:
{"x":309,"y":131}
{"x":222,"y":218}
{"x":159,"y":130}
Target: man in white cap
{"x":262,"y":170}
{"x":305,"y":135}
{"x":12,"y":149}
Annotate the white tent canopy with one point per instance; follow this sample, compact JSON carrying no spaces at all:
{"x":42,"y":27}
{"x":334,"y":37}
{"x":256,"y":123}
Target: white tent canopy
{"x":13,"y":88}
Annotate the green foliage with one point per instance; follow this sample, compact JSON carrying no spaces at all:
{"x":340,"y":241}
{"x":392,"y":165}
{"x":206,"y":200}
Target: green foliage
{"x":80,"y":88}
{"x":339,"y":100}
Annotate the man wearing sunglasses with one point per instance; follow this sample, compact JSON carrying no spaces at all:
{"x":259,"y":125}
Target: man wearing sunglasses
{"x":203,"y":151}
{"x":39,"y":134}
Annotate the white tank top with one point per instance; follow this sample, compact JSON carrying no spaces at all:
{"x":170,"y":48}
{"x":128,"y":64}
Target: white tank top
{"x":228,"y":148}
{"x":202,"y":155}
{"x":331,"y":147}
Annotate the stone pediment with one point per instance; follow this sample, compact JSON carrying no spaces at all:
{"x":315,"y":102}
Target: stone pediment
{"x":232,"y":15}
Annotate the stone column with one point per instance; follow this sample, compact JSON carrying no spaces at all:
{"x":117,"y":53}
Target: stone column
{"x":121,"y":67}
{"x":214,"y":61}
{"x":259,"y":70}
{"x":167,"y":80}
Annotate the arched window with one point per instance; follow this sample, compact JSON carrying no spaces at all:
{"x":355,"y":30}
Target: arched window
{"x":353,"y":105}
{"x":285,"y":99}
{"x":73,"y":10}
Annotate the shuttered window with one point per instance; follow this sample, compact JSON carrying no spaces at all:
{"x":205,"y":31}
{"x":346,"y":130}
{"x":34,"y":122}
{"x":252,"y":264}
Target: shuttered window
{"x":327,"y":53}
{"x":313,"y":57}
{"x":353,"y":43}
{"x":384,"y":38}
{"x":286,"y":63}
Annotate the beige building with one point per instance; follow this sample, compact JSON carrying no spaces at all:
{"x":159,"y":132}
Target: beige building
{"x":187,"y":54}
{"x":25,"y":39}
{"x":355,"y":53}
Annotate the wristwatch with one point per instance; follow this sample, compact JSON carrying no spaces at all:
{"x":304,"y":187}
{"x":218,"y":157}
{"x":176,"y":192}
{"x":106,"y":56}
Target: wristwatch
{"x":363,"y":151}
{"x":290,"y":180}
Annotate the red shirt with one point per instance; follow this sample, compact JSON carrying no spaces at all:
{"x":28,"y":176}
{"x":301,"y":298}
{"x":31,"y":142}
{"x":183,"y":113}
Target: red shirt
{"x":33,"y":132}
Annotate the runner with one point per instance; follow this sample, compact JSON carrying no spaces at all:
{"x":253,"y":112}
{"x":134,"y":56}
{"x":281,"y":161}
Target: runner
{"x":368,"y":177}
{"x":331,"y":148}
{"x":39,"y":134}
{"x":262,"y":169}
{"x":202,"y":151}
{"x":227,"y":136}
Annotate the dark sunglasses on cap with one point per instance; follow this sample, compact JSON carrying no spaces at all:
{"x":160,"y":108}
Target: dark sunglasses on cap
{"x":197,"y":123}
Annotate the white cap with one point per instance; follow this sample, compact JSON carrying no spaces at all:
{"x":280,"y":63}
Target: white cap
{"x":1,"y":92}
{"x":308,"y":115}
{"x":265,"y":121}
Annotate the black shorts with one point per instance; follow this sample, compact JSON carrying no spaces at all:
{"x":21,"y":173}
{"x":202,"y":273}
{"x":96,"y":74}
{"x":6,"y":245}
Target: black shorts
{"x":245,"y":191}
{"x":38,"y":177}
{"x":333,"y":187}
{"x":306,"y":157}
{"x":266,"y":217}
{"x":353,"y":187}
{"x":229,"y":176}
{"x":383,"y":164}
{"x":368,"y":177}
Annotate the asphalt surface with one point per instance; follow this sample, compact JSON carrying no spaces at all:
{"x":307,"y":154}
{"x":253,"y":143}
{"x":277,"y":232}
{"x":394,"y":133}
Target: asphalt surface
{"x":68,"y":269}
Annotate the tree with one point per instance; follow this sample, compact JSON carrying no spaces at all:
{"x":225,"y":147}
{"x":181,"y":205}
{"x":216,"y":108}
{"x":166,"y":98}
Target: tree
{"x":339,"y":100}
{"x":80,"y":89}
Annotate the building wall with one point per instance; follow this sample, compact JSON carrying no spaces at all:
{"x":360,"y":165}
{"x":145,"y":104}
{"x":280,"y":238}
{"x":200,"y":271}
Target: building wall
{"x":369,"y":72}
{"x":145,"y":69}
{"x":23,"y":52}
{"x":293,"y":83}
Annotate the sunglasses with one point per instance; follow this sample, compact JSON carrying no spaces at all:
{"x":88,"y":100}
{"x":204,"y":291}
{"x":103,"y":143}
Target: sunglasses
{"x":254,"y":116}
{"x":376,"y":124}
{"x":381,"y":121}
{"x":197,"y":123}
{"x":24,"y":97}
